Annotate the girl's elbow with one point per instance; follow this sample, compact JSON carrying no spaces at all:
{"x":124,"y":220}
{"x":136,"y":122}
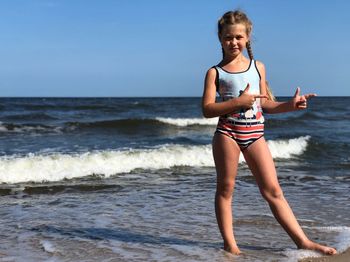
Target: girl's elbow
{"x":206,"y":113}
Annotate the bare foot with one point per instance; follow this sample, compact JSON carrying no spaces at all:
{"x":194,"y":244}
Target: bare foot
{"x":233,"y":250}
{"x":320,"y":248}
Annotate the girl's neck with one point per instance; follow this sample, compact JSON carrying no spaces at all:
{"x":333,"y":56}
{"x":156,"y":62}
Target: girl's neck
{"x":234,"y":60}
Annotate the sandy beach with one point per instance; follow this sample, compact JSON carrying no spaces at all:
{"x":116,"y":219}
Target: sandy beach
{"x":342,"y":257}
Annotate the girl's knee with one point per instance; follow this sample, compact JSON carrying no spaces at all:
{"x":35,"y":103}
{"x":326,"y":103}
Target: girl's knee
{"x":272,"y":193}
{"x":225,"y":189}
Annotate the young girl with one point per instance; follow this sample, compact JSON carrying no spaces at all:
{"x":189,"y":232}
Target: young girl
{"x":242,"y":87}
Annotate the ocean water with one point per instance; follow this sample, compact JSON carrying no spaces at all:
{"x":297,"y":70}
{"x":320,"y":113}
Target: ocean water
{"x":133,"y":179}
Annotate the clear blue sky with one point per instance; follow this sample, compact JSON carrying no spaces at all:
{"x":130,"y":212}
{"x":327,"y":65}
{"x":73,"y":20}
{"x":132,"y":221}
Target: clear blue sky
{"x":164,"y":47}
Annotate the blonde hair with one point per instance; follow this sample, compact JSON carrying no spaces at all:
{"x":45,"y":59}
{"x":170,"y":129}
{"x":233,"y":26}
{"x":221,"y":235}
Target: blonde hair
{"x":239,"y":17}
{"x":233,"y":18}
{"x":269,"y":92}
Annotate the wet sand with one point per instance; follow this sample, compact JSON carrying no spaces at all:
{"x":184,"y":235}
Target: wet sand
{"x":342,"y":257}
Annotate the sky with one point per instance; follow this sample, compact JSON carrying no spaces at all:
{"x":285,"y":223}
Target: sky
{"x":128,"y":48}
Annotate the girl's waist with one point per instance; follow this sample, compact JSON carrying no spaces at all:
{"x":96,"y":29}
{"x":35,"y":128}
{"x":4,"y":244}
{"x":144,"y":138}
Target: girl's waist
{"x":241,"y":121}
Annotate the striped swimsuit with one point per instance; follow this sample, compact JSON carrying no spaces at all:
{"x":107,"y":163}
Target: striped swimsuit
{"x":246,"y":125}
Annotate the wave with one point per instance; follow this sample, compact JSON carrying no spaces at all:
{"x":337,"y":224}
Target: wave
{"x":58,"y":166}
{"x":142,"y":122}
{"x":307,"y":118}
{"x":28,"y":128}
{"x":188,"y":121}
{"x":288,"y":148}
{"x":118,"y":123}
{"x":124,"y":124}
{"x":29,"y":116}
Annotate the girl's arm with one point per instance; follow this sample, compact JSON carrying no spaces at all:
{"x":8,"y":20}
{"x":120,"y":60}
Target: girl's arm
{"x":298,"y":102}
{"x":212,"y":109}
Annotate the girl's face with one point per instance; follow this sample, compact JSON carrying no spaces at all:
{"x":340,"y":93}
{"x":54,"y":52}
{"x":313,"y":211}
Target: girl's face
{"x":233,"y":39}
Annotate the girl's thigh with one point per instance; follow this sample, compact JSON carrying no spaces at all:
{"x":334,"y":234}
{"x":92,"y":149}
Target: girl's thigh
{"x":260,"y":162}
{"x":226,"y":156}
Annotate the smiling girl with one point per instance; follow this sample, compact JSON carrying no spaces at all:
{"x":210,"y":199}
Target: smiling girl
{"x":241,"y":84}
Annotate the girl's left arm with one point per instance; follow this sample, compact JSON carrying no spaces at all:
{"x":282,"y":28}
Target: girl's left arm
{"x":298,"y":102}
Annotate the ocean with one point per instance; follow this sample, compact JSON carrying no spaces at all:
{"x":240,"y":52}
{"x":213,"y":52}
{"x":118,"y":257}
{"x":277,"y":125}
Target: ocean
{"x":133,"y":179}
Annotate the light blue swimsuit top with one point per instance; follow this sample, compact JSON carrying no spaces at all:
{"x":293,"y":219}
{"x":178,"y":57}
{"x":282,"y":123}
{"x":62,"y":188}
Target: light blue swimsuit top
{"x":230,"y":85}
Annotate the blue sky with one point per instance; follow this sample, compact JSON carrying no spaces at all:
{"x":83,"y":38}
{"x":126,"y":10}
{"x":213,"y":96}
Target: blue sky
{"x":163,"y":48}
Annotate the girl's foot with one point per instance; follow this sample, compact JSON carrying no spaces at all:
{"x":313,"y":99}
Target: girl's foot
{"x":233,"y":249}
{"x":320,"y":248}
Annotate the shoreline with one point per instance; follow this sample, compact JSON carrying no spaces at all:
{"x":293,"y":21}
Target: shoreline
{"x":341,"y":257}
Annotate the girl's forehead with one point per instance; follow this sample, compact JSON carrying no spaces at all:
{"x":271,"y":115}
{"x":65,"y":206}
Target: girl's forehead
{"x":234,"y":29}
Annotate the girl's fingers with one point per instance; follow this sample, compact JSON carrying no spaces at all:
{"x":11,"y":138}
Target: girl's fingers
{"x":301,"y":104}
{"x":260,"y":96}
{"x":246,"y":90}
{"x":307,"y":96}
{"x":297,"y":92}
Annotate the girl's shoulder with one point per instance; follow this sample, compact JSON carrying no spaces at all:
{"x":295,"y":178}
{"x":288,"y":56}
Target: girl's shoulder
{"x":260,"y":67}
{"x":259,"y":64}
{"x":212,"y":73}
{"x":212,"y":70}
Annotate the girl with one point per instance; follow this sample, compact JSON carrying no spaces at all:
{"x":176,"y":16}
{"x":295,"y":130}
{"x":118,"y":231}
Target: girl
{"x":242,"y":87}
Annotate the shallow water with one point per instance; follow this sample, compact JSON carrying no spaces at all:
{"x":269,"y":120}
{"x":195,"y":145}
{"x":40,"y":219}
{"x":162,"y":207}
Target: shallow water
{"x":100,"y":192}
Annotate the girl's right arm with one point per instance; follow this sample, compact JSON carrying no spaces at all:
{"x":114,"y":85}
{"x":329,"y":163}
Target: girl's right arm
{"x":212,"y":109}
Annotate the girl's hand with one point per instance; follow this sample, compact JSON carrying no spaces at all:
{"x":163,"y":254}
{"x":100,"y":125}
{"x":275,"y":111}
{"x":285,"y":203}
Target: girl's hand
{"x":299,"y":102}
{"x":247,"y":100}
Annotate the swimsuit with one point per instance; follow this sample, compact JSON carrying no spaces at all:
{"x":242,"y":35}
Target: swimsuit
{"x":245,"y":126}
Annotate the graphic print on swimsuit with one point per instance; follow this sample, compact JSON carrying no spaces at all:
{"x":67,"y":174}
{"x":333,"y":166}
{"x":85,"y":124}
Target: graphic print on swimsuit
{"x":231,"y":85}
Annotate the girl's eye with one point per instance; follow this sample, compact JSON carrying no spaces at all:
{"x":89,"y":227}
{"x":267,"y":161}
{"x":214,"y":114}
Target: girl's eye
{"x":231,"y":38}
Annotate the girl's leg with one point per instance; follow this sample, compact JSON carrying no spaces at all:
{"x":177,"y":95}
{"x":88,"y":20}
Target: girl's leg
{"x":260,"y":162}
{"x":226,"y":155}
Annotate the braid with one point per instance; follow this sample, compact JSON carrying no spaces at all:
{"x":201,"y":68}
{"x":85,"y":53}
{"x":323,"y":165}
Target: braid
{"x":251,"y":56}
{"x":249,"y":50}
{"x":269,"y":92}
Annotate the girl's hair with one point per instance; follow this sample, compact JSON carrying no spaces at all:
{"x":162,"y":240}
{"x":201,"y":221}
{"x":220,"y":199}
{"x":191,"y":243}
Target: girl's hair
{"x":269,"y":92}
{"x":239,"y":17}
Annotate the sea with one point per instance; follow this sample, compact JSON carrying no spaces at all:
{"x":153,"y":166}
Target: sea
{"x":133,"y":179}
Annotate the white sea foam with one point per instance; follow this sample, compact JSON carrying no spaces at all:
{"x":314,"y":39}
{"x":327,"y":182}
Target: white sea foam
{"x":55,"y":167}
{"x":342,"y":238}
{"x":3,"y":128}
{"x":29,"y":129}
{"x":188,"y":121}
{"x":58,"y":166}
{"x":288,"y":148}
{"x":48,"y":246}
{"x":342,"y":242}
